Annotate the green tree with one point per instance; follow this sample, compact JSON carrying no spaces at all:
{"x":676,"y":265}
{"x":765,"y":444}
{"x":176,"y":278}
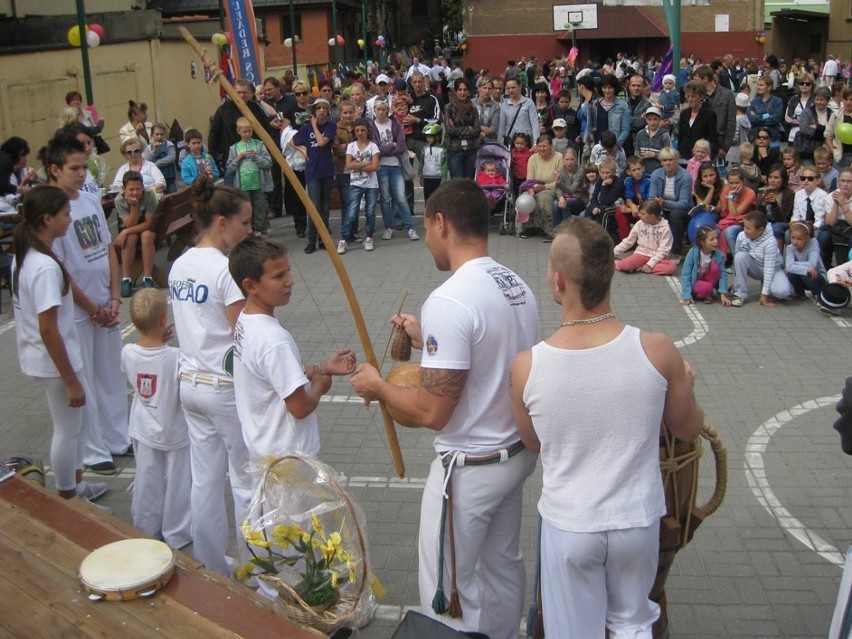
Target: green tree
{"x":452,"y":14}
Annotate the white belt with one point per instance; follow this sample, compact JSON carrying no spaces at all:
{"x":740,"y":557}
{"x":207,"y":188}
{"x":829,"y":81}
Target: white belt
{"x":209,"y":380}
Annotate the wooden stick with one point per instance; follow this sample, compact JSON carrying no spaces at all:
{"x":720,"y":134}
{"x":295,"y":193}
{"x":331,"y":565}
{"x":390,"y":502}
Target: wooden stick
{"x":275,"y":152}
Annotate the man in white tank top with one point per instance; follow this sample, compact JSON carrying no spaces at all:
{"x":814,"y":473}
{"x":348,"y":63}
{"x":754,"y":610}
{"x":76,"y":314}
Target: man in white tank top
{"x":471,"y":573}
{"x":602,"y":497}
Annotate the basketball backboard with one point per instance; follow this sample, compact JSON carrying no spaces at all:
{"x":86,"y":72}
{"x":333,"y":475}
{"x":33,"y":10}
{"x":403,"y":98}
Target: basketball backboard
{"x":579,"y":16}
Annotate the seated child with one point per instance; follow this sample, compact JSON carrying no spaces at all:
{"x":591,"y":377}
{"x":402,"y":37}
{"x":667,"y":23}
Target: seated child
{"x":803,"y":262}
{"x":560,"y":139}
{"x":161,"y":490}
{"x":736,"y":200}
{"x":135,"y":208}
{"x":608,"y":148}
{"x":668,"y":101}
{"x":749,"y":170}
{"x":493,"y":184}
{"x":637,"y":186}
{"x":793,"y":163}
{"x":653,"y":240}
{"x":162,"y":153}
{"x":250,"y":163}
{"x":196,"y":162}
{"x":572,"y":188}
{"x":606,"y":196}
{"x":700,"y":154}
{"x":704,"y":269}
{"x":823,"y":163}
{"x":756,"y":255}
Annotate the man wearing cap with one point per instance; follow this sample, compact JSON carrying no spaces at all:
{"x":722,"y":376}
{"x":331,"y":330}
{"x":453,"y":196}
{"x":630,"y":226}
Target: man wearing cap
{"x":381,"y":88}
{"x":723,"y":104}
{"x":638,"y":105}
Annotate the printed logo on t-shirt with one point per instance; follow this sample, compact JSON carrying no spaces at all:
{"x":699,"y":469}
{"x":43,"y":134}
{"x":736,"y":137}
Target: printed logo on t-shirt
{"x":87,"y":231}
{"x":187,"y":291}
{"x":431,"y":345}
{"x":228,"y":362}
{"x":146,"y":385}
{"x":513,"y":290}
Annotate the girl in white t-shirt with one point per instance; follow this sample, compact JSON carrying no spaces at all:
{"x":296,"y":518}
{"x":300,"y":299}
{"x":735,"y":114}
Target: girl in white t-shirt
{"x":206,"y":303}
{"x":88,"y":253}
{"x":48,"y":347}
{"x":362,"y":162}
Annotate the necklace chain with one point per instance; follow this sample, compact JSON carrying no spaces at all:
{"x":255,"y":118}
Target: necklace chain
{"x":591,"y":320}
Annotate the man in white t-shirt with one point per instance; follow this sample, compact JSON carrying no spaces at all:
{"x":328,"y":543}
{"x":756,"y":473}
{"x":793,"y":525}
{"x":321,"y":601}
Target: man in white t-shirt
{"x":471,"y":327}
{"x":601,"y":498}
{"x":829,"y":72}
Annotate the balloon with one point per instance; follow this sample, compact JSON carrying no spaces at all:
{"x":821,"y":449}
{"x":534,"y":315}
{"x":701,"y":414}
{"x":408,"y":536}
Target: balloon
{"x":844,"y":132}
{"x":331,"y":42}
{"x":464,"y":46}
{"x":288,"y":42}
{"x":761,"y":40}
{"x":524,"y":205}
{"x":298,"y":47}
{"x":699,"y":219}
{"x":361,"y":42}
{"x":92,"y":39}
{"x":229,"y":37}
{"x":378,"y":43}
{"x":219,"y":39}
{"x":340,"y":40}
{"x":296,"y":38}
{"x":74,"y":36}
{"x":97,"y":29}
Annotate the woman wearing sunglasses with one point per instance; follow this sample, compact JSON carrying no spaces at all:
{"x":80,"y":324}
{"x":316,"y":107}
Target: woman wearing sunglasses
{"x":765,"y":156}
{"x":152,"y":177}
{"x":799,"y":103}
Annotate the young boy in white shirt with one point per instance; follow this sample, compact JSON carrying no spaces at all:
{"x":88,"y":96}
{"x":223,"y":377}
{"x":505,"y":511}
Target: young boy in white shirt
{"x":276,"y":394}
{"x":161,"y":491}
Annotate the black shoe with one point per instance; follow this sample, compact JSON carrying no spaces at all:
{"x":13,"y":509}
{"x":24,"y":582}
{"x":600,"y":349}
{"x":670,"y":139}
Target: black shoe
{"x":103,"y":468}
{"x":127,"y":452}
{"x":310,"y":248}
{"x":300,"y":234}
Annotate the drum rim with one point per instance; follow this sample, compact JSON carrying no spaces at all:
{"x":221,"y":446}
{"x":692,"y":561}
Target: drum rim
{"x":157,"y":580}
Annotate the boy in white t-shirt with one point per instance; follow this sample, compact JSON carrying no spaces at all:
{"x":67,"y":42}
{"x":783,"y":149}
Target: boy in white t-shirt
{"x":276,"y":394}
{"x":161,"y":493}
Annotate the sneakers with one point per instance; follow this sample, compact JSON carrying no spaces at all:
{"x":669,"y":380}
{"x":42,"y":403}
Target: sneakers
{"x":341,"y":247}
{"x":388,"y":234}
{"x":368,"y":244}
{"x":737,"y":301}
{"x":127,"y":452}
{"x":310,"y":248}
{"x":148,"y":282}
{"x":412,"y":235}
{"x":126,"y":287}
{"x":105,"y":509}
{"x":91,"y":492}
{"x":103,"y":468}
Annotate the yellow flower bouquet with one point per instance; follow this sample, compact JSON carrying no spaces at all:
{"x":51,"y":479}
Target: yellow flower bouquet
{"x":307,"y":539}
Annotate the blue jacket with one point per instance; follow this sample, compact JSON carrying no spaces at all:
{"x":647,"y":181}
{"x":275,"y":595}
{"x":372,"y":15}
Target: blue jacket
{"x":683,"y":189}
{"x":618,"y":121}
{"x":769,"y":114}
{"x":644,"y":188}
{"x":189,"y":168}
{"x":690,"y":272}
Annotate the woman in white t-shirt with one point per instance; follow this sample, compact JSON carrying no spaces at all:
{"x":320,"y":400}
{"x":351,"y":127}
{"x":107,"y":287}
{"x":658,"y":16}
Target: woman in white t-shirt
{"x":48,"y":347}
{"x":88,"y":253}
{"x":206,"y":303}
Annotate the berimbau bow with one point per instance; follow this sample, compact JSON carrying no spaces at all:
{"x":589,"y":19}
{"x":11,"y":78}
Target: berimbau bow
{"x":275,"y":151}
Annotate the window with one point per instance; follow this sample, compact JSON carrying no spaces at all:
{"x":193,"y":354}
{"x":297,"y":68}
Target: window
{"x":285,"y":26}
{"x":419,"y":8}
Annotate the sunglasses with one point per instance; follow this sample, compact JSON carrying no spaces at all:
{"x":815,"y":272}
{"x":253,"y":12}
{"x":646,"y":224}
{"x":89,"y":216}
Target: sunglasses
{"x":809,"y":178}
{"x":762,"y":137}
{"x":133,"y":151}
{"x":298,"y":93}
{"x":805,"y":84}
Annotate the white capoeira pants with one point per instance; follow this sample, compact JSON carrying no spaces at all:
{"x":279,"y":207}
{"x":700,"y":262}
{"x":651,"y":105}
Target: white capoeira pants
{"x":487,"y":503}
{"x":69,"y":431}
{"x":596,"y":581}
{"x":161,"y":494}
{"x":216,"y":447}
{"x":106,"y":406}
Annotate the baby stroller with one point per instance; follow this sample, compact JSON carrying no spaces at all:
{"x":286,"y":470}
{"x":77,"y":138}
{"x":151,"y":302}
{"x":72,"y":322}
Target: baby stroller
{"x":500,"y":199}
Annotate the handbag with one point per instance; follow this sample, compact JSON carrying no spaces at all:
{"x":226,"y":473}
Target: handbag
{"x":407,"y":167}
{"x":507,"y":139}
{"x":101,"y":145}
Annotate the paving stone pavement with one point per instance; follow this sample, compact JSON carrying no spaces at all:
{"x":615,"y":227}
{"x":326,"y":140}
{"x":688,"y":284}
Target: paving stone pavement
{"x":768,"y":380}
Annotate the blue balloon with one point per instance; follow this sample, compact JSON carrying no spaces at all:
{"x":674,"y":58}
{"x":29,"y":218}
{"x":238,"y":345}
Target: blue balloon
{"x":699,"y":219}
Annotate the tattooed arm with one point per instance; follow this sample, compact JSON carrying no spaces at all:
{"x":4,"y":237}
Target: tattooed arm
{"x":431,"y":404}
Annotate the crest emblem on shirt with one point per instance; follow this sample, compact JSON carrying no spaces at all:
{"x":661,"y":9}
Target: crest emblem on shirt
{"x":431,"y":345}
{"x":146,"y":385}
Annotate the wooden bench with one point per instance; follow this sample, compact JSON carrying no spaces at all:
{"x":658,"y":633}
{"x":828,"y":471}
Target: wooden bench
{"x":174,"y":225}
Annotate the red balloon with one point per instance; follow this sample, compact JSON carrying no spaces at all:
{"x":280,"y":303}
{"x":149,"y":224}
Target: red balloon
{"x":229,"y":37}
{"x":97,"y":29}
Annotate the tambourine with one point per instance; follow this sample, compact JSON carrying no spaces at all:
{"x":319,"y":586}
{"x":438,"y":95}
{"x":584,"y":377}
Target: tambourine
{"x":127,"y":569}
{"x":406,"y":375}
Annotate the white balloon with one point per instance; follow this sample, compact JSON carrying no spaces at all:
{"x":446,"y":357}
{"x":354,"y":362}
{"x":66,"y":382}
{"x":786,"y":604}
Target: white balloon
{"x":332,"y":42}
{"x":525,"y":204}
{"x":288,"y":42}
{"x":92,"y":39}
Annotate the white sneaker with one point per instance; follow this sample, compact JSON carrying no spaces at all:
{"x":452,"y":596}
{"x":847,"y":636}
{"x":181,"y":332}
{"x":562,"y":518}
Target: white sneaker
{"x":91,"y":491}
{"x":341,"y":247}
{"x":388,"y":234}
{"x":412,"y":235}
{"x":368,"y":244}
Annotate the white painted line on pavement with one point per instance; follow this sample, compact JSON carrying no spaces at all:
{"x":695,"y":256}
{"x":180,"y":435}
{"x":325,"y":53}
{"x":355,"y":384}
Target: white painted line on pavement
{"x":699,"y":324}
{"x":759,"y":484}
{"x":8,"y":326}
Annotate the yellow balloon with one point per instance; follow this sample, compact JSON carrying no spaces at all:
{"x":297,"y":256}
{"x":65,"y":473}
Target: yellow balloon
{"x":74,"y":36}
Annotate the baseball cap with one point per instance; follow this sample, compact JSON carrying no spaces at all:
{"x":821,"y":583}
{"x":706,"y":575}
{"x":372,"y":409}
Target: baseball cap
{"x":399,"y":83}
{"x":559,"y":123}
{"x":742,"y":100}
{"x":382,"y":78}
{"x":318,"y":102}
{"x":652,"y":111}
